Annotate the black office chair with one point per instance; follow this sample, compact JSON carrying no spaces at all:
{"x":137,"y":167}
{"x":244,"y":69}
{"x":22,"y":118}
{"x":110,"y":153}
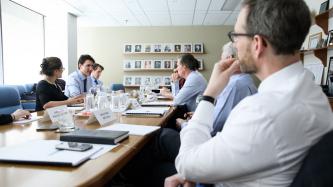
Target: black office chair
{"x":317,"y":167}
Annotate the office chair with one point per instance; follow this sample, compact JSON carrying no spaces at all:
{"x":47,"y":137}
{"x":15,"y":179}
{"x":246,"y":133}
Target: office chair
{"x":317,"y":166}
{"x":9,"y":99}
{"x":116,"y":87}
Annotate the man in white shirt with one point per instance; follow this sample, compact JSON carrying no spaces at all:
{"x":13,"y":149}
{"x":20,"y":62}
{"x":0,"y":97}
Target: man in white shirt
{"x":267,"y":135}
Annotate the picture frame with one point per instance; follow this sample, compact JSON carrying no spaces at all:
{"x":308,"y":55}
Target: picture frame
{"x":324,"y":7}
{"x":146,"y":80}
{"x":137,"y":81}
{"x":314,"y":40}
{"x":167,"y":64}
{"x":147,"y":64}
{"x":177,"y":48}
{"x":167,"y":48}
{"x":157,"y":48}
{"x":147,"y":48}
{"x":127,"y":64}
{"x":127,"y":80}
{"x":174,"y":64}
{"x":166,"y":81}
{"x":157,"y":64}
{"x":329,"y":38}
{"x":329,"y":78}
{"x":197,"y":48}
{"x":127,"y":48}
{"x":137,"y":64}
{"x":187,"y":48}
{"x":137,"y":48}
{"x":157,"y":81}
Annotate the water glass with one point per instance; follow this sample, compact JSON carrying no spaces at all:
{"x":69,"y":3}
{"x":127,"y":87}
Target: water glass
{"x":102,"y":102}
{"x":115,"y":101}
{"x":89,"y":102}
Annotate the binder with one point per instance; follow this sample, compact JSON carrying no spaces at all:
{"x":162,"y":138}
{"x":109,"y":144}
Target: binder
{"x":94,"y":136}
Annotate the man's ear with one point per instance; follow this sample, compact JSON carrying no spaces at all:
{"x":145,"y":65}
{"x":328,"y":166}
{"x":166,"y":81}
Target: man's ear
{"x":258,"y":45}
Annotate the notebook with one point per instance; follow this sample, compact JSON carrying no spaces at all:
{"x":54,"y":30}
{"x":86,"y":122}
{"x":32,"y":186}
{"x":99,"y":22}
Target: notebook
{"x":146,"y":111}
{"x":44,"y":152}
{"x":94,"y":136}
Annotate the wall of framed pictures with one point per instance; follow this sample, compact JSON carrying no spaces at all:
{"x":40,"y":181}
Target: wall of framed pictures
{"x":162,"y":64}
{"x":107,"y":46}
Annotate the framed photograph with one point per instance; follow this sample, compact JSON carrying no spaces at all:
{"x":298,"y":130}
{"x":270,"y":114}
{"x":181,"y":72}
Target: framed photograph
{"x":174,"y":64}
{"x":167,"y":48}
{"x":127,"y":64}
{"x":127,"y":81}
{"x":127,"y":48}
{"x":198,"y":48}
{"x":147,"y":48}
{"x":146,"y":80}
{"x":187,"y":48}
{"x":157,"y":64}
{"x":329,"y":78}
{"x":137,"y":80}
{"x":167,"y":64}
{"x":157,"y":48}
{"x":137,"y":48}
{"x":314,"y":40}
{"x":157,"y":81}
{"x":177,"y":48}
{"x":324,"y":7}
{"x":137,"y":64}
{"x":329,"y":38}
{"x":147,"y":64}
{"x":166,"y":81}
{"x":200,"y":64}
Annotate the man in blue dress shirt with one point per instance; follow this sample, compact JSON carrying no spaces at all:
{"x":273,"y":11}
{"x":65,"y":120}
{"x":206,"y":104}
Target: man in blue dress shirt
{"x":79,"y":82}
{"x":96,"y":74}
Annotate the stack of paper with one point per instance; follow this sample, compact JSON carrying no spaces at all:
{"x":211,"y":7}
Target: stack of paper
{"x":146,"y":111}
{"x":158,"y":103}
{"x":140,"y":130}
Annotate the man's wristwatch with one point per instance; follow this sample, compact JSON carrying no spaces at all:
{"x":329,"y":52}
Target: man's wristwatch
{"x":208,"y":98}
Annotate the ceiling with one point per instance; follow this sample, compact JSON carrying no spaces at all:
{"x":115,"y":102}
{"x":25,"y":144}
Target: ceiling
{"x":147,"y":12}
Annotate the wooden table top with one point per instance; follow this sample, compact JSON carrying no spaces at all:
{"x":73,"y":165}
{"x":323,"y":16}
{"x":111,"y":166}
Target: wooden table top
{"x":91,"y":173}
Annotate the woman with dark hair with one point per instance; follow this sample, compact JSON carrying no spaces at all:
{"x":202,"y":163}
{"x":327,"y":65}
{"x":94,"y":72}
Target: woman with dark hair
{"x":48,"y":93}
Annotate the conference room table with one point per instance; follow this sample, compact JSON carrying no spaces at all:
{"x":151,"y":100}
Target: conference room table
{"x":95,"y":172}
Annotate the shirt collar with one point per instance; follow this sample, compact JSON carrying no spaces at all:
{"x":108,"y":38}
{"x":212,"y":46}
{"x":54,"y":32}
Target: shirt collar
{"x":81,"y":76}
{"x":280,"y":78}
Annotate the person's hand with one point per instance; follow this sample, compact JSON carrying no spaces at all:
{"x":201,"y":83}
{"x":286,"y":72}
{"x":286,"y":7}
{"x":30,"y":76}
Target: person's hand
{"x":220,"y":76}
{"x":20,"y":114}
{"x":179,"y":122}
{"x":188,"y":115}
{"x":175,"y":180}
{"x":175,"y":77}
{"x":76,"y":100}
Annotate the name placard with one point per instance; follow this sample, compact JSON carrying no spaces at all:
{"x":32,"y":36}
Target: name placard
{"x":104,"y":116}
{"x":61,"y":116}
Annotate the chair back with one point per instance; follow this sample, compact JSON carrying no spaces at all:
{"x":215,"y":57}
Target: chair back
{"x":9,"y":99}
{"x":317,"y":167}
{"x":116,"y":87}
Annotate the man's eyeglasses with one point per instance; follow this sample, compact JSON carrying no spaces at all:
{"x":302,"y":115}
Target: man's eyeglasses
{"x":232,"y":35}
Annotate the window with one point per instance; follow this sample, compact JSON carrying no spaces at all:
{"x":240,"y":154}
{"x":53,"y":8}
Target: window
{"x":23,"y":43}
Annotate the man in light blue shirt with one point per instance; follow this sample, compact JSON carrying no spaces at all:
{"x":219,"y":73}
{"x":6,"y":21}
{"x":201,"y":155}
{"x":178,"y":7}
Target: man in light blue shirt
{"x":195,"y":83}
{"x":79,"y":82}
{"x":96,"y":74}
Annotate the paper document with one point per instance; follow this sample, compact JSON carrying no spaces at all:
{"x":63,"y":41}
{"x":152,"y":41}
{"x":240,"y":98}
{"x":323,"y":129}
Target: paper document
{"x":140,"y":130}
{"x":24,"y":121}
{"x":158,"y":103}
{"x":76,"y":108}
{"x":44,"y":152}
{"x":149,"y":111}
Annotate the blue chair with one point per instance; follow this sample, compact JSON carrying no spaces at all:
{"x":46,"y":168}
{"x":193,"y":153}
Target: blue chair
{"x":28,"y":100}
{"x":9,"y":99}
{"x":116,"y":87}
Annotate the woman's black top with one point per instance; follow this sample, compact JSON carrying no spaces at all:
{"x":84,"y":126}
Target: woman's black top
{"x":46,"y":92}
{"x":5,"y":119}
